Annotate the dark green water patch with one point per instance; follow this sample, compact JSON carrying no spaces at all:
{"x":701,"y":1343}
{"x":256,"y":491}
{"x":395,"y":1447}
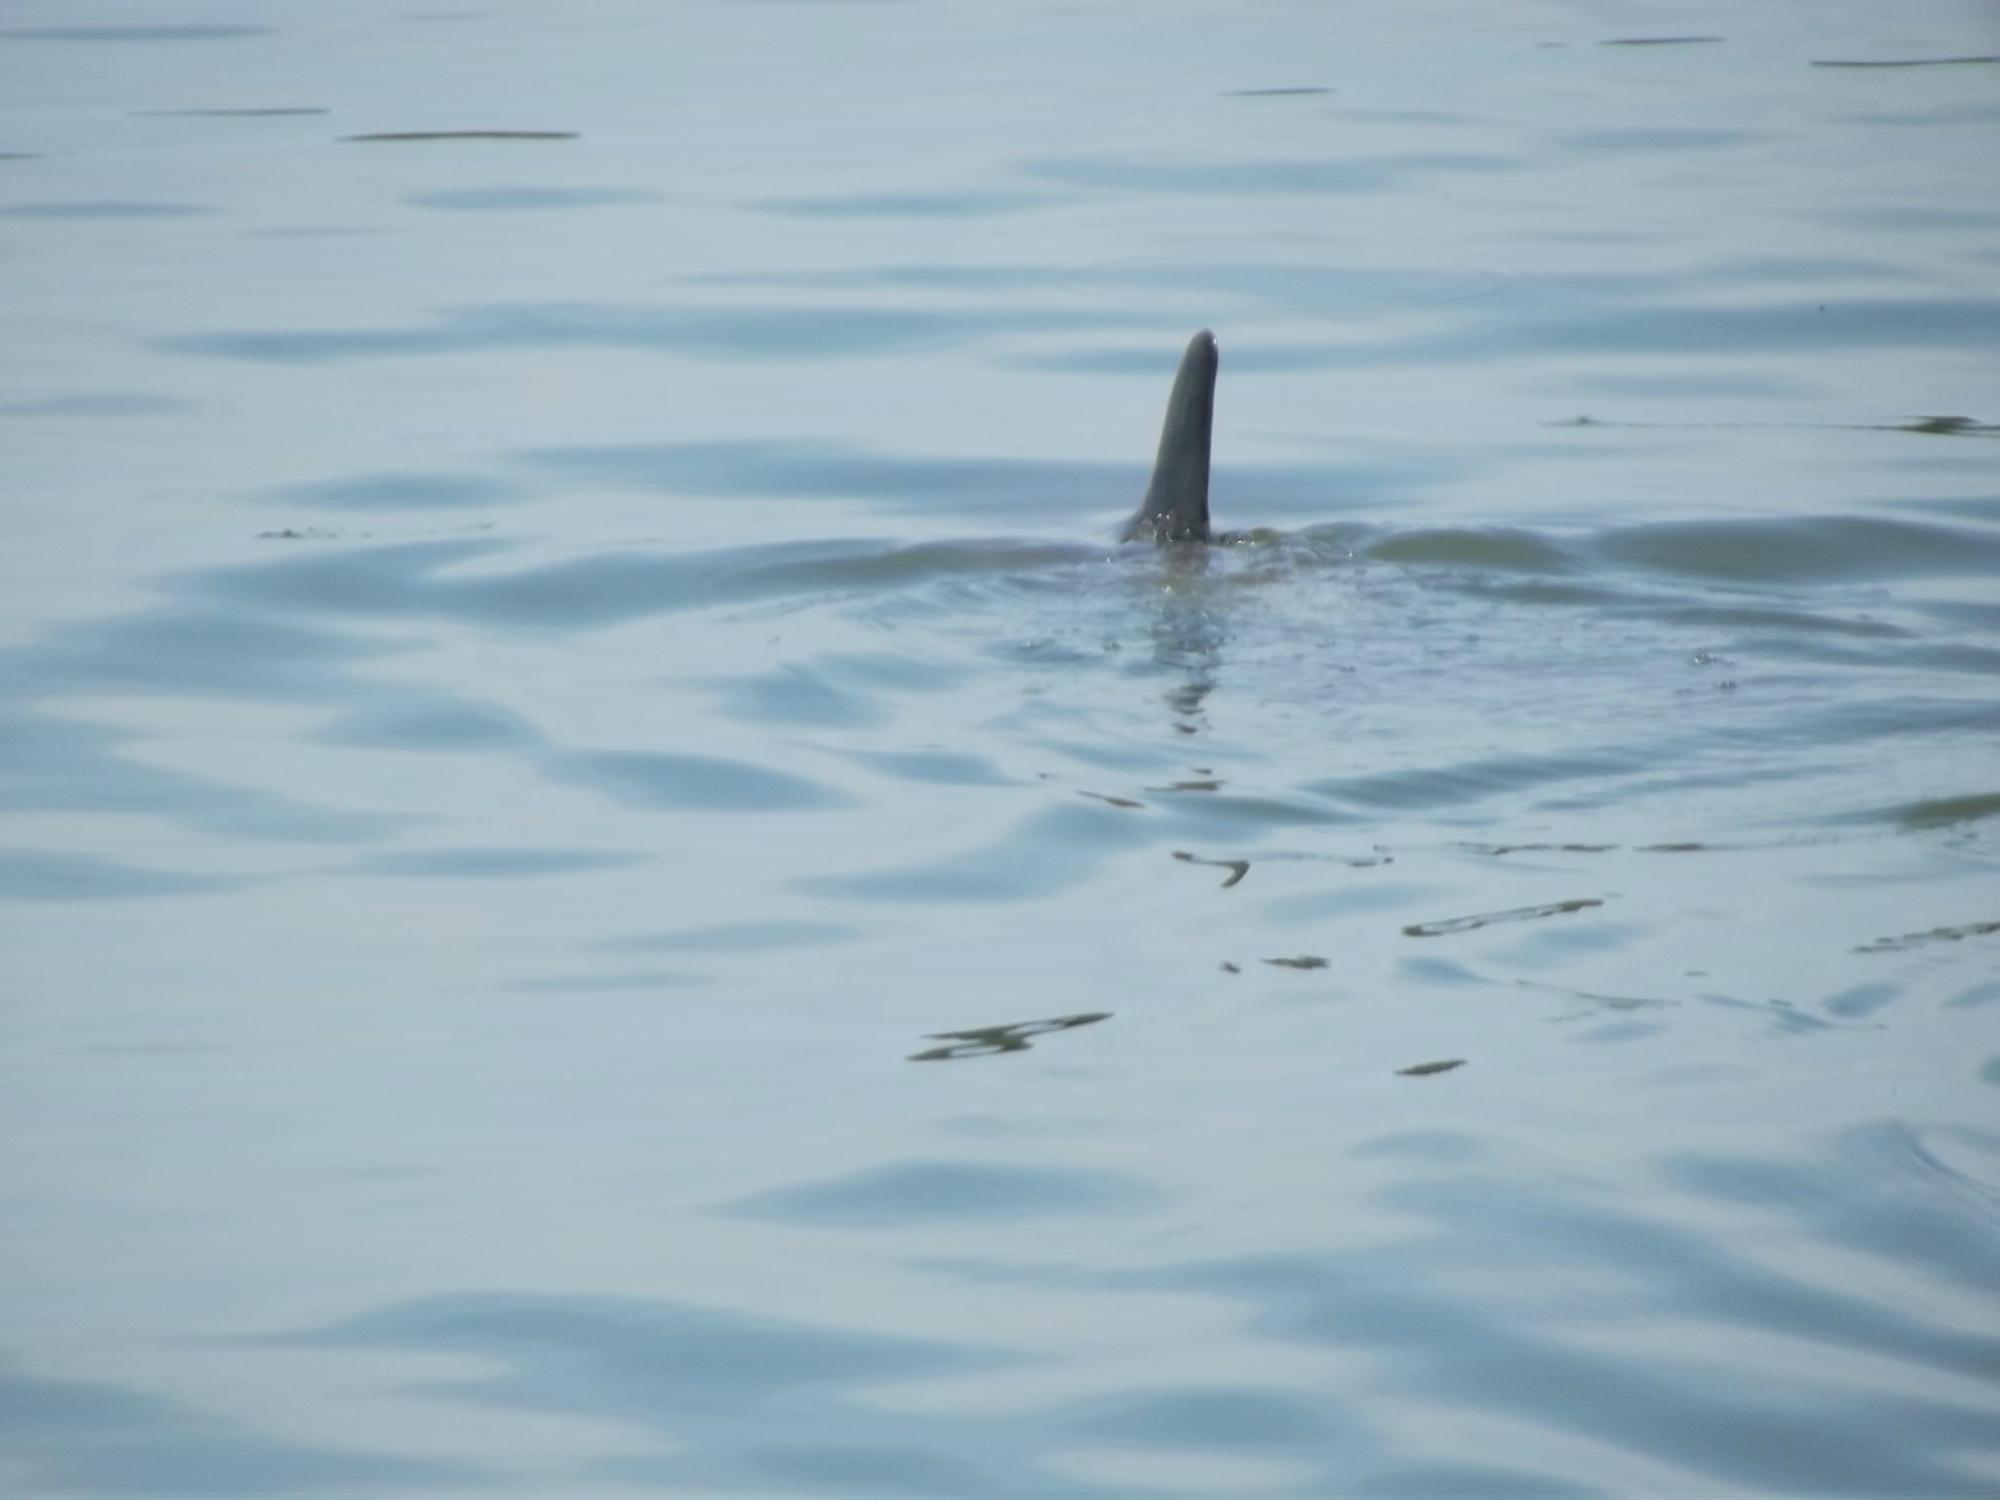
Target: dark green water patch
{"x":1500,"y":549}
{"x":1942,"y":812}
{"x":1808,"y":549}
{"x":1767,"y":621}
{"x":1540,"y":591}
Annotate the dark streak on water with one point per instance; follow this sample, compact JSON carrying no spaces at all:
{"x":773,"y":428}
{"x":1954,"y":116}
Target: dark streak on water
{"x":464,"y":135}
{"x":145,"y":34}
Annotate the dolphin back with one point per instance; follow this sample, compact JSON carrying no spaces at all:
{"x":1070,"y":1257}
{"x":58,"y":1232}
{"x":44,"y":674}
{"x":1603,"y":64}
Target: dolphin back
{"x":1176,"y":505}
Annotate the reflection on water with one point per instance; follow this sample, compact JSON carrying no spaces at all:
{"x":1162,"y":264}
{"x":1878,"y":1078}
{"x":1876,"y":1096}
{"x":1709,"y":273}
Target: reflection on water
{"x":989,"y":1041}
{"x":1237,"y":868}
{"x":1188,"y":634}
{"x":1933,"y":935}
{"x":1484,"y":919}
{"x":551,"y":629}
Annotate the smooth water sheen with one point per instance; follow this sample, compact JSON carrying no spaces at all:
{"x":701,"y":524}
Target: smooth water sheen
{"x":611,"y":887}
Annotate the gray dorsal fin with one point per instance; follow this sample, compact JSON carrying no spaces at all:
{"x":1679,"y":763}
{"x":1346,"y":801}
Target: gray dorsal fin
{"x":1176,"y":505}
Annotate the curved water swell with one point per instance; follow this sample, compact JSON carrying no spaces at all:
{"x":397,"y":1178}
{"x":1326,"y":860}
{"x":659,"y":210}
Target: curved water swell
{"x":1343,"y":665}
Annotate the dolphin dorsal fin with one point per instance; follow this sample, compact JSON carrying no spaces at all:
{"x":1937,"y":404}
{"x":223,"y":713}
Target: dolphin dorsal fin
{"x":1176,"y":505}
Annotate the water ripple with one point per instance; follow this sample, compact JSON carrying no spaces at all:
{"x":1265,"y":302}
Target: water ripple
{"x":1354,"y":174}
{"x":901,"y":1194}
{"x":831,"y":331}
{"x":95,"y":1438}
{"x":655,"y":780}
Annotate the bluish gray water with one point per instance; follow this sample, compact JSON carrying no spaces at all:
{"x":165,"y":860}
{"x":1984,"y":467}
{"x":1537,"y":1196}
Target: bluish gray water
{"x":611,"y":887}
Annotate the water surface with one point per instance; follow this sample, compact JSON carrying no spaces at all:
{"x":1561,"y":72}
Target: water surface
{"x":611,"y":886}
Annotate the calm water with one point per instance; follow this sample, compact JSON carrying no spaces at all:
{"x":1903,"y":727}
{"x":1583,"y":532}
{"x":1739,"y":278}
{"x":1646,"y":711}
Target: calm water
{"x":610,"y":887}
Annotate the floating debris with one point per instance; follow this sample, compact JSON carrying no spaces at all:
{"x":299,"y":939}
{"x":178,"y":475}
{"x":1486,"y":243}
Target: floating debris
{"x":1935,"y":935}
{"x":1237,"y":868}
{"x":990,"y":1041}
{"x":1114,"y":801}
{"x":1425,"y":1070}
{"x":1303,"y":961}
{"x":1660,"y":41}
{"x":1271,"y":93}
{"x":1229,"y":968}
{"x":1487,"y":919}
{"x":1499,"y":849}
{"x":464,"y":135}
